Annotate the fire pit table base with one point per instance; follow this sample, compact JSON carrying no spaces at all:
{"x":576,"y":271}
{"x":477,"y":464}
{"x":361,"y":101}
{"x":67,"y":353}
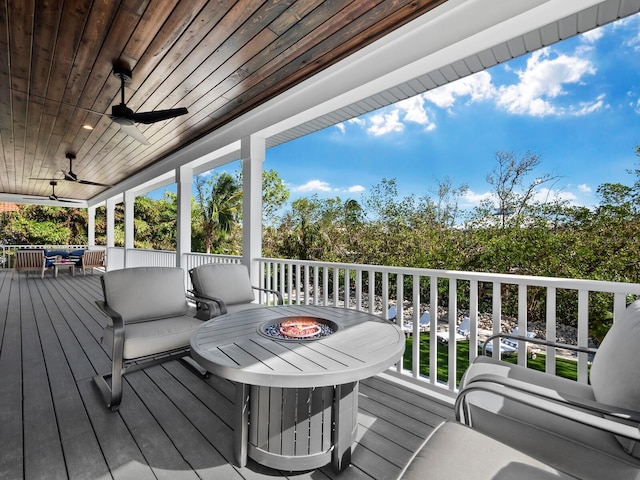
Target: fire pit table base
{"x":302,"y":428}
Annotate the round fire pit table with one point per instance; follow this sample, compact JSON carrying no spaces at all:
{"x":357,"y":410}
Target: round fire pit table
{"x":296,"y":396}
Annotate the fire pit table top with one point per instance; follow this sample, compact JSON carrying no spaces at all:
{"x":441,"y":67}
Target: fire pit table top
{"x":234,"y":346}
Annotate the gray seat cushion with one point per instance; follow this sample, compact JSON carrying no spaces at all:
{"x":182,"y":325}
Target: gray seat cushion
{"x":150,"y":338}
{"x":592,"y":453}
{"x":146,"y":293}
{"x":614,"y":372}
{"x":229,"y":282}
{"x":455,"y":452}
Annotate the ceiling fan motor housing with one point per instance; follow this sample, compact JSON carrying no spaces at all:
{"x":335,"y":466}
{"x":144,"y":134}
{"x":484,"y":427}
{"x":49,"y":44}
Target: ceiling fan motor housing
{"x":121,"y":114}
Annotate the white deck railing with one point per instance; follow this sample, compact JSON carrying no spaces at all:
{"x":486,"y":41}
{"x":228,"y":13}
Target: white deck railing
{"x":319,"y":283}
{"x":352,"y":286}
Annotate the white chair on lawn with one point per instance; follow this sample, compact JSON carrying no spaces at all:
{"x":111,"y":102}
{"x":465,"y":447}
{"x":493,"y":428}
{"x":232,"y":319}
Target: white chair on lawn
{"x":509,"y":346}
{"x":423,"y":326}
{"x":462,"y":332}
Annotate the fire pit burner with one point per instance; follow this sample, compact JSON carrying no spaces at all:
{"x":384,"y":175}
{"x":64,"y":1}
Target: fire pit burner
{"x":298,"y":328}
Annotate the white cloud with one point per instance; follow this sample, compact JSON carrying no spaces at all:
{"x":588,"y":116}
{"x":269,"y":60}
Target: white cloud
{"x":542,"y":81}
{"x":313,"y":186}
{"x":592,"y":36}
{"x":470,"y":198}
{"x":585,"y":108}
{"x":383,"y":123}
{"x":477,"y":86}
{"x":545,"y":195}
{"x":584,"y":188}
{"x":340,"y":126}
{"x":539,"y":86}
{"x":414,"y":111}
{"x":356,"y":189}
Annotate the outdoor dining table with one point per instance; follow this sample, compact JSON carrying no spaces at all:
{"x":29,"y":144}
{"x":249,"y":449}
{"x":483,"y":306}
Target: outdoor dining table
{"x":296,"y":400}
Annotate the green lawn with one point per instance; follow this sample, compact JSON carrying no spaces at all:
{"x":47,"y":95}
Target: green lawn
{"x":564,"y":368}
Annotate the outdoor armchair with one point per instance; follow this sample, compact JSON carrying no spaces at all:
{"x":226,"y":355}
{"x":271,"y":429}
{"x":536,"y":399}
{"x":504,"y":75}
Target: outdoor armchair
{"x":228,"y":286}
{"x":595,"y":425}
{"x":30,"y":261}
{"x":147,"y":323}
{"x":92,"y":259}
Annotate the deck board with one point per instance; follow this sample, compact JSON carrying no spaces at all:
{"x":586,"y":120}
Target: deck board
{"x":172,"y":424}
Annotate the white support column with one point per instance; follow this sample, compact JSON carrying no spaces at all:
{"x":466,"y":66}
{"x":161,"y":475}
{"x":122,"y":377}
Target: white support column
{"x":91,"y":227}
{"x":129,"y":232}
{"x":252,"y":151}
{"x":111,"y":222}
{"x":184,"y":179}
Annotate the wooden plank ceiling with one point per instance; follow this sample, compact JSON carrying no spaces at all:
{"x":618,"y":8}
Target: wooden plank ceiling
{"x":217,"y":58}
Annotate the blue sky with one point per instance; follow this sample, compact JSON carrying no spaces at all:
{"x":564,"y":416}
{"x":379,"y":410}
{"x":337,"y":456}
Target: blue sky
{"x":576,"y":104}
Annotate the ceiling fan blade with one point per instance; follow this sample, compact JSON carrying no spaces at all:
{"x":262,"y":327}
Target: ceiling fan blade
{"x":158,"y":115}
{"x":47,"y":179}
{"x":95,"y":184}
{"x":133,"y":132}
{"x":53,"y":199}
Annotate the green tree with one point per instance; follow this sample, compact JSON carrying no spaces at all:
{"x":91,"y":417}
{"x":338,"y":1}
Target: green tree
{"x":219,"y":203}
{"x":274,"y":196}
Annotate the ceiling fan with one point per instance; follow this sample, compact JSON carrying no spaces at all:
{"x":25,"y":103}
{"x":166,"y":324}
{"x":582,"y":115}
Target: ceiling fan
{"x":70,"y":176}
{"x":126,"y":118}
{"x":53,"y":197}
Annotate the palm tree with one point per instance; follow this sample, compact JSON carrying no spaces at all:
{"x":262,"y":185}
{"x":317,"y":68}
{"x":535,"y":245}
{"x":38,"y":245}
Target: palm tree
{"x":220,"y":205}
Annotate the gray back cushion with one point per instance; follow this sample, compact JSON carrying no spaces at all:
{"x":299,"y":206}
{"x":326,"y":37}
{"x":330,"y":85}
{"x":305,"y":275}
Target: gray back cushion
{"x":229,"y":282}
{"x":614,"y":372}
{"x":145,"y":293}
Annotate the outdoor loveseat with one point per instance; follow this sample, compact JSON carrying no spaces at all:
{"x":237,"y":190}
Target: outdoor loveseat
{"x":527,"y":424}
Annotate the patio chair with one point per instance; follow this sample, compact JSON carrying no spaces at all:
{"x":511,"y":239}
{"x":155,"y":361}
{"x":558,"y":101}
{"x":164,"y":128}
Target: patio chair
{"x":462,"y":332}
{"x":30,"y":261}
{"x":92,"y":259}
{"x":392,"y":313}
{"x":484,"y":458}
{"x":594,"y":425}
{"x":220,"y":288}
{"x":147,"y":323}
{"x":425,"y":321}
{"x":509,"y":346}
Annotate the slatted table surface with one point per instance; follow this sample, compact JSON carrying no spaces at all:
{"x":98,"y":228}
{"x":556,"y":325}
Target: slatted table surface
{"x":233,"y":347}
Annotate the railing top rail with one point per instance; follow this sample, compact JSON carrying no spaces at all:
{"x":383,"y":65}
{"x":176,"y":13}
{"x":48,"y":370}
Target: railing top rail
{"x":516,"y":279}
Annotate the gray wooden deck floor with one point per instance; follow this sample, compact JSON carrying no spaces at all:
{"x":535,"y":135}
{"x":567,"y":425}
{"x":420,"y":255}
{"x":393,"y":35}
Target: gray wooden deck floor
{"x":171,"y":425}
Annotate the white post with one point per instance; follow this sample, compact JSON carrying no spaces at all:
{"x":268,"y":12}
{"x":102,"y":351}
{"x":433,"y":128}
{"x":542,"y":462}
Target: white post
{"x":111,"y":222}
{"x":184,"y":179}
{"x":252,"y":150}
{"x":111,"y":227}
{"x":91,"y":227}
{"x":129,"y":233}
